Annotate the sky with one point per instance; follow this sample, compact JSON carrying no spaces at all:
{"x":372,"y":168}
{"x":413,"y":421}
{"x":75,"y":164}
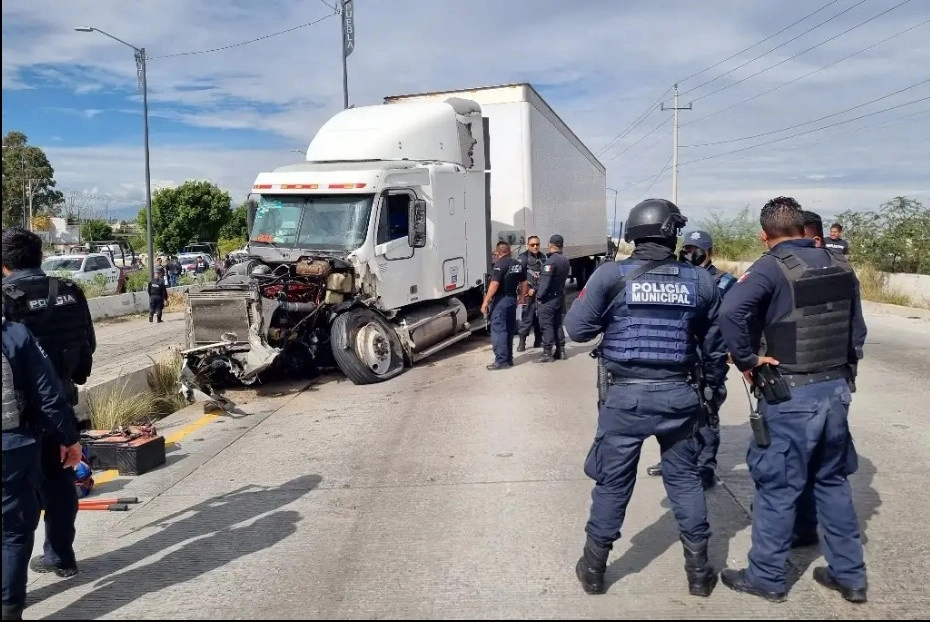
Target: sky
{"x":226,"y":115}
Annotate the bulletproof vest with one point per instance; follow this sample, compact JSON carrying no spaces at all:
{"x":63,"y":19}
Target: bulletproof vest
{"x":557,"y":268}
{"x":651,"y":319}
{"x":59,"y":321}
{"x":533,"y":268}
{"x":814,"y":336}
{"x":724,"y":281}
{"x":155,"y":288}
{"x":12,"y":400}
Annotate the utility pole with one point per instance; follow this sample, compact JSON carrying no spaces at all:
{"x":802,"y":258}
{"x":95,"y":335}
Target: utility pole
{"x":347,"y":10}
{"x":675,"y":108}
{"x":33,"y":183}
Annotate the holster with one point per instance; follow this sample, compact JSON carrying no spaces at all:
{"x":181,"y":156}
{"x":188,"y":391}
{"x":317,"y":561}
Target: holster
{"x":603,"y":380}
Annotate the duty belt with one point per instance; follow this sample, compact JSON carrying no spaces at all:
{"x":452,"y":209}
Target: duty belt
{"x":801,"y":379}
{"x":614,"y":379}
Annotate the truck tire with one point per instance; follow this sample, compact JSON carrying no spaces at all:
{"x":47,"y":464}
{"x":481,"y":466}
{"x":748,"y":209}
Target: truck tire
{"x":365,"y":347}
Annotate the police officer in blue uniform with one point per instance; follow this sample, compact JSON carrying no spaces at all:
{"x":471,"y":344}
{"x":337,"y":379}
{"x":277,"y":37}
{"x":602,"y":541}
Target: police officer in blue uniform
{"x":158,"y":293}
{"x":655,"y":314}
{"x":55,"y":311}
{"x":698,"y":250}
{"x":532,"y":259}
{"x":805,"y":522}
{"x":805,"y":302}
{"x":33,"y":403}
{"x":508,"y":279}
{"x":551,"y":300}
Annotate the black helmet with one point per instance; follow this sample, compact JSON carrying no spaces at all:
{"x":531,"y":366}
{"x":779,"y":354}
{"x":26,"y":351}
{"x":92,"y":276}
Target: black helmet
{"x":654,"y":218}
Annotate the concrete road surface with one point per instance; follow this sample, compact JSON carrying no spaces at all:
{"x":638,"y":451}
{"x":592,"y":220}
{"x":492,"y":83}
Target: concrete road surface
{"x":454,"y":492}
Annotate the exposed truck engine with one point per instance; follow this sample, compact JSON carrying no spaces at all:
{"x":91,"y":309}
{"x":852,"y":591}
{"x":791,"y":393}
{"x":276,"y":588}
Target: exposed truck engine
{"x":375,"y":252}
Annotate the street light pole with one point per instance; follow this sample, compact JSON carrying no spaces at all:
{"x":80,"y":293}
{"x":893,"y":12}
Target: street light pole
{"x":143,"y":85}
{"x":613,"y":226}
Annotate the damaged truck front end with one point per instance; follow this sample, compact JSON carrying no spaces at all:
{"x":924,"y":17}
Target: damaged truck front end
{"x":262,"y":319}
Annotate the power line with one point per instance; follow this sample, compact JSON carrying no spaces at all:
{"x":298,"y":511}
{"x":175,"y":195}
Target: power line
{"x":807,"y":75}
{"x":655,"y":105}
{"x":785,"y":129}
{"x":656,"y":178}
{"x":652,"y":108}
{"x":778,"y":140}
{"x":646,"y":135}
{"x":694,"y":75}
{"x":241,"y":43}
{"x":723,"y":88}
{"x":780,"y":45}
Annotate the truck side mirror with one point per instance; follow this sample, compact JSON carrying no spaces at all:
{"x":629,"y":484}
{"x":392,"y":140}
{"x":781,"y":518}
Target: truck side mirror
{"x":251,"y":207}
{"x":416,"y":236}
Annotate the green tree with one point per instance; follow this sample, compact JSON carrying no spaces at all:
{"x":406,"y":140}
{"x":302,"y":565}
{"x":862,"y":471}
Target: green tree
{"x":27,"y":167}
{"x":195,"y":211}
{"x":735,"y":238}
{"x":96,"y":230}
{"x":894,"y":238}
{"x":237,"y":228}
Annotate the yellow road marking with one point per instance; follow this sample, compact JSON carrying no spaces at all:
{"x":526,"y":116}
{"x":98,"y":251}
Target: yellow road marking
{"x":110,"y":474}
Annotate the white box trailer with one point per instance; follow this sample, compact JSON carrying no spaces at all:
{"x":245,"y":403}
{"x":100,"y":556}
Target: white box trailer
{"x":543,"y":179}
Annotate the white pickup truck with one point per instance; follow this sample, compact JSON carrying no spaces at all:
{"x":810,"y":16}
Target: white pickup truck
{"x":83,"y":268}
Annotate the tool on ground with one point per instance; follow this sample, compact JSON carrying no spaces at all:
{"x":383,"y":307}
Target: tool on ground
{"x":112,"y":507}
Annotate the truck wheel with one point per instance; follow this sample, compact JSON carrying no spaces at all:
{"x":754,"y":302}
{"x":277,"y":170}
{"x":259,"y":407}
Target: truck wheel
{"x":365,"y":347}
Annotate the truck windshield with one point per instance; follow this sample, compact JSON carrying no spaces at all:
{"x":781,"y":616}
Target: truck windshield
{"x":321,"y":222}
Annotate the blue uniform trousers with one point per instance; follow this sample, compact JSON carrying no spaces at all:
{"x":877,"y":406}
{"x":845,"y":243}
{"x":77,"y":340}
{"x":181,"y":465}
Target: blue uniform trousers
{"x":503,"y":328}
{"x":20,"y":519}
{"x":60,"y":501}
{"x":810,"y":441}
{"x":707,"y":458}
{"x":631,"y":414}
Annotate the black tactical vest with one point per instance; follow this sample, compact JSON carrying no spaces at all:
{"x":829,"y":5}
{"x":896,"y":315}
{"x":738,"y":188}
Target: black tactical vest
{"x":814,"y":337}
{"x":54,"y":310}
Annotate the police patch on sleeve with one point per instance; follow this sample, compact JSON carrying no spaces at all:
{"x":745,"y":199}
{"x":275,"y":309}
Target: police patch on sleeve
{"x":743,"y":277}
{"x":547,"y":268}
{"x":664,"y":293}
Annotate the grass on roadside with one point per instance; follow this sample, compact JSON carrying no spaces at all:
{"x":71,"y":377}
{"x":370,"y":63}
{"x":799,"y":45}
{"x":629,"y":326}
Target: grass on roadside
{"x":163,"y":380}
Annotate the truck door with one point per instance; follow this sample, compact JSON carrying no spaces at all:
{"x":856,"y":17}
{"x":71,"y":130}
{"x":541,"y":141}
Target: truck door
{"x":399,"y":263}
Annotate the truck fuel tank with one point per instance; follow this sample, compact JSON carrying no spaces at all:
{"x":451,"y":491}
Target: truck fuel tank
{"x":427,"y":326}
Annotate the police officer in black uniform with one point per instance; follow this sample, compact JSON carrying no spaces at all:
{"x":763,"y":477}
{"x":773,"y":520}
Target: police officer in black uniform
{"x":551,"y":300}
{"x":158,"y":294}
{"x":507,"y":279}
{"x":698,"y":250}
{"x":56,"y":313}
{"x":805,"y":302}
{"x":532,"y":259}
{"x":655,"y":313}
{"x":33,"y":402}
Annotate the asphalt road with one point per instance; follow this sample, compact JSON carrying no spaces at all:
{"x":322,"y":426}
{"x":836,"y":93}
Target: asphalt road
{"x":454,"y":492}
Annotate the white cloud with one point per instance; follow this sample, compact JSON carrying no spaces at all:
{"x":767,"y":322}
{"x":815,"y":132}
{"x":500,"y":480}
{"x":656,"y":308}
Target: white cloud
{"x":609,"y":59}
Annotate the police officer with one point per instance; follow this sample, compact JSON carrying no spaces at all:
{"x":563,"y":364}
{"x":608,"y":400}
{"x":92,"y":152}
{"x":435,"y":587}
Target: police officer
{"x":551,"y":300}
{"x":32,"y":402}
{"x":507,"y":279}
{"x":158,"y":294}
{"x":655,"y":313}
{"x":532,"y":260}
{"x":805,"y":302}
{"x":56,"y":312}
{"x":698,"y":250}
{"x":805,"y":522}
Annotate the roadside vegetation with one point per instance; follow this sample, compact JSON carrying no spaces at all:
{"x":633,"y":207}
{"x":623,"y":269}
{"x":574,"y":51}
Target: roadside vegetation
{"x":121,"y":405}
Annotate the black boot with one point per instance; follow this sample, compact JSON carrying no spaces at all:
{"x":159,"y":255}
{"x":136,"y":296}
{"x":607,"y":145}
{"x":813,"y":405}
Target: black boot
{"x":854,"y":595}
{"x":701,"y":576}
{"x":521,"y":347}
{"x":591,"y":567}
{"x":559,"y":353}
{"x":12,"y":612}
{"x":546,"y":355}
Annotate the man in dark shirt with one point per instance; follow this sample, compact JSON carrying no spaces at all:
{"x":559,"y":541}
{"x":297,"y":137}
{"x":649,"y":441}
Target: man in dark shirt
{"x":835,"y":242}
{"x":508,"y":279}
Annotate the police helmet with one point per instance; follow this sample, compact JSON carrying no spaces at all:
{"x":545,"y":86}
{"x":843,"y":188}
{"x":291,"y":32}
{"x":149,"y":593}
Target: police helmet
{"x":654,"y":218}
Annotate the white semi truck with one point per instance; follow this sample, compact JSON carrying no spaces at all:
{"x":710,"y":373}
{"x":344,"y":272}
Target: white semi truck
{"x":375,"y":252}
